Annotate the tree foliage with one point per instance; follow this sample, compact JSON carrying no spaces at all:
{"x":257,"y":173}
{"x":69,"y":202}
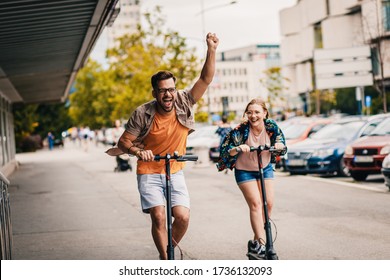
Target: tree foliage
{"x":344,"y":100}
{"x":274,"y":82}
{"x":38,"y":120}
{"x":376,"y":35}
{"x":105,"y":95}
{"x":91,"y":103}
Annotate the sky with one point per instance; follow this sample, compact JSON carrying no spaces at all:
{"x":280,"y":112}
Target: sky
{"x":237,"y":25}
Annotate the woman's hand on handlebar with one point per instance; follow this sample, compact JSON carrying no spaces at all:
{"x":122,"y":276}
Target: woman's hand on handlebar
{"x":279,"y":146}
{"x":244,"y":148}
{"x":238,"y":149}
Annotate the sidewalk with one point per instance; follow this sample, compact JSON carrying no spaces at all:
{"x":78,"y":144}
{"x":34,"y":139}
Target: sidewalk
{"x":69,"y":204}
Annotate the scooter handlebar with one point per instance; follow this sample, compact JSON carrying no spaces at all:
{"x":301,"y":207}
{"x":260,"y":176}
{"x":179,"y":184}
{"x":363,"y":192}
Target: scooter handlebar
{"x":187,"y":158}
{"x":176,"y":157}
{"x":261,"y":148}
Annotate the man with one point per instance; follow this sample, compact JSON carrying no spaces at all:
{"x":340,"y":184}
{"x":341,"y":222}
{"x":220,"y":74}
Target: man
{"x":161,"y":126}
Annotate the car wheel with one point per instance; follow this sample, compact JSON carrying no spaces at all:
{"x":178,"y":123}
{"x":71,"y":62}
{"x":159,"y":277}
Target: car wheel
{"x":359,"y":176}
{"x":343,"y":169}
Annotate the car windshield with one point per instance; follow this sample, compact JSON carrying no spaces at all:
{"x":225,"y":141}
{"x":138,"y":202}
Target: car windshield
{"x":343,"y":131}
{"x":295,"y":130}
{"x":382,"y":129}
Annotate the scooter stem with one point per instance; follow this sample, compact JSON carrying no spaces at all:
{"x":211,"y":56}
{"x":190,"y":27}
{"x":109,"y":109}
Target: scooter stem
{"x":270,"y":251}
{"x":170,"y":248}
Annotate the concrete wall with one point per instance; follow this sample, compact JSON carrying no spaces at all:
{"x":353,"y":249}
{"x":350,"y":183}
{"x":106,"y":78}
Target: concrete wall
{"x":7,"y":137}
{"x":349,"y":31}
{"x":337,"y":7}
{"x":298,"y":47}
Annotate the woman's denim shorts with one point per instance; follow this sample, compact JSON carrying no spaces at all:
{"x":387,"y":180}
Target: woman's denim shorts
{"x":243,"y":176}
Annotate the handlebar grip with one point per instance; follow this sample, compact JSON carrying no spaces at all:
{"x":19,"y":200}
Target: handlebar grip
{"x":158,"y":157}
{"x":262,"y":148}
{"x":187,"y":158}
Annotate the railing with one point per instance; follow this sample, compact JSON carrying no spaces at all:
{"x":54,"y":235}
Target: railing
{"x":5,"y":220}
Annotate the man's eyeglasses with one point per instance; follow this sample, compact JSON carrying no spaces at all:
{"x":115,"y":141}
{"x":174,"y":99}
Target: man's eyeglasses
{"x":165,"y":90}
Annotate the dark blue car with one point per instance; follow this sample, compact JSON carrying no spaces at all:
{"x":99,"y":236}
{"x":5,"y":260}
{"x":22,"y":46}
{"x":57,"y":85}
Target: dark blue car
{"x":323,"y":152}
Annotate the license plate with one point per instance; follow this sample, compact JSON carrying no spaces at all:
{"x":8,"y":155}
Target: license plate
{"x":364,"y":159}
{"x":296,"y":162}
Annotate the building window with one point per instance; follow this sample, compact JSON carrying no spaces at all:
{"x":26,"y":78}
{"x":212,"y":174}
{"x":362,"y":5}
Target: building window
{"x":318,"y":36}
{"x":375,"y":61}
{"x":386,"y":15}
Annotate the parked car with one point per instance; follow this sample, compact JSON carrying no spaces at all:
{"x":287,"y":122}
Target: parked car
{"x":204,"y":137}
{"x":297,"y":130}
{"x":323,"y":152}
{"x":58,"y":140}
{"x":366,"y":155}
{"x":386,"y":170}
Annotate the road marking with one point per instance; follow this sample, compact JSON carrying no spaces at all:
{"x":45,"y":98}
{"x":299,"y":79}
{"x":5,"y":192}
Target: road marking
{"x":351,"y":185}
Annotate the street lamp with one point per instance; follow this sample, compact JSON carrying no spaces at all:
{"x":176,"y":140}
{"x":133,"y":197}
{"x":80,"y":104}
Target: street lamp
{"x":202,"y":12}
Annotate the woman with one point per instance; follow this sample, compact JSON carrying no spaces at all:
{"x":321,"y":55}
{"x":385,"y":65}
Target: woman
{"x":235,"y":153}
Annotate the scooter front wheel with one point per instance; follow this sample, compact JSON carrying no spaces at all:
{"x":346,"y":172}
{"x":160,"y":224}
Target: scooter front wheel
{"x":252,"y":256}
{"x":271,"y":255}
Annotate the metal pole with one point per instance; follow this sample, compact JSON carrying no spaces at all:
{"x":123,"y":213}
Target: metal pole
{"x":202,"y":12}
{"x":359,"y":100}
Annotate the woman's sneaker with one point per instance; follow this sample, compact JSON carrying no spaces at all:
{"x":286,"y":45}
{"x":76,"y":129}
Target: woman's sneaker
{"x":255,"y":250}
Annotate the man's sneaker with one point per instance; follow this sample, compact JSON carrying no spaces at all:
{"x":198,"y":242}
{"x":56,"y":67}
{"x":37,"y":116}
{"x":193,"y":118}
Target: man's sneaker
{"x":255,"y":248}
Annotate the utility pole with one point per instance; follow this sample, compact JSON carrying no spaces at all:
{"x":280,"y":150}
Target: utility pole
{"x":202,"y":13}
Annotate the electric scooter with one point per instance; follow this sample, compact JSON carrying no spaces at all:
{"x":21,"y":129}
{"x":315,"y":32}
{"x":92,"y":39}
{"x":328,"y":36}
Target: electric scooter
{"x":270,"y":251}
{"x":168,"y":158}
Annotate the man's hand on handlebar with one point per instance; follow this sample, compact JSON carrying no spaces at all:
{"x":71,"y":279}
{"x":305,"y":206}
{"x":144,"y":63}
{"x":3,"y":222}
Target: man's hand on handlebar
{"x":145,"y":155}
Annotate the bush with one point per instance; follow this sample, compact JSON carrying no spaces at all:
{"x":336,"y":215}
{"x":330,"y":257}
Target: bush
{"x":30,"y":143}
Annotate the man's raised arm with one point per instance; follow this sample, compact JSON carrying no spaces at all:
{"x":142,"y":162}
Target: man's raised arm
{"x":208,"y":70}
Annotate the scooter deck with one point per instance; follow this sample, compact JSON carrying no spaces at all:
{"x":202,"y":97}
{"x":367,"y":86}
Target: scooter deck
{"x":252,"y":256}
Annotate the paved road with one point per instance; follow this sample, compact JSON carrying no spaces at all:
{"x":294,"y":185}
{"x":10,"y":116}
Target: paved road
{"x":69,"y":204}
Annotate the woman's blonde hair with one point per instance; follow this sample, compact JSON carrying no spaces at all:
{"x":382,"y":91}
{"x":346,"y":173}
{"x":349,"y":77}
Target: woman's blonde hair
{"x":257,"y":101}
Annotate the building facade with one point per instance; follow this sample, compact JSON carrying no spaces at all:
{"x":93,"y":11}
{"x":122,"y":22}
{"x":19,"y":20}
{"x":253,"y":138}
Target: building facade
{"x":7,"y":137}
{"x":126,"y":21}
{"x":126,"y":16}
{"x":332,"y":24}
{"x":238,"y":75}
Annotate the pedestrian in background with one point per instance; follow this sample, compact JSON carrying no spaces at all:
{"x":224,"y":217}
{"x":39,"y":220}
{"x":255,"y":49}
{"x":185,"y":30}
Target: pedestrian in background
{"x":257,"y":129}
{"x":117,"y":131}
{"x":50,"y":140}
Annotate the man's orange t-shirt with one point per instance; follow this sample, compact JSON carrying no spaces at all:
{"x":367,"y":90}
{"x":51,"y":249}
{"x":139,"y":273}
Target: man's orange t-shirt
{"x":166,"y":136}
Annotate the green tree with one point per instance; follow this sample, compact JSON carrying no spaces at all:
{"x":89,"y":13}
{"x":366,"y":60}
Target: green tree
{"x":92,"y":102}
{"x":200,"y":114}
{"x":33,"y":121}
{"x":25,"y":121}
{"x":274,"y":82}
{"x":346,"y":100}
{"x":54,"y":118}
{"x":142,"y":54}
